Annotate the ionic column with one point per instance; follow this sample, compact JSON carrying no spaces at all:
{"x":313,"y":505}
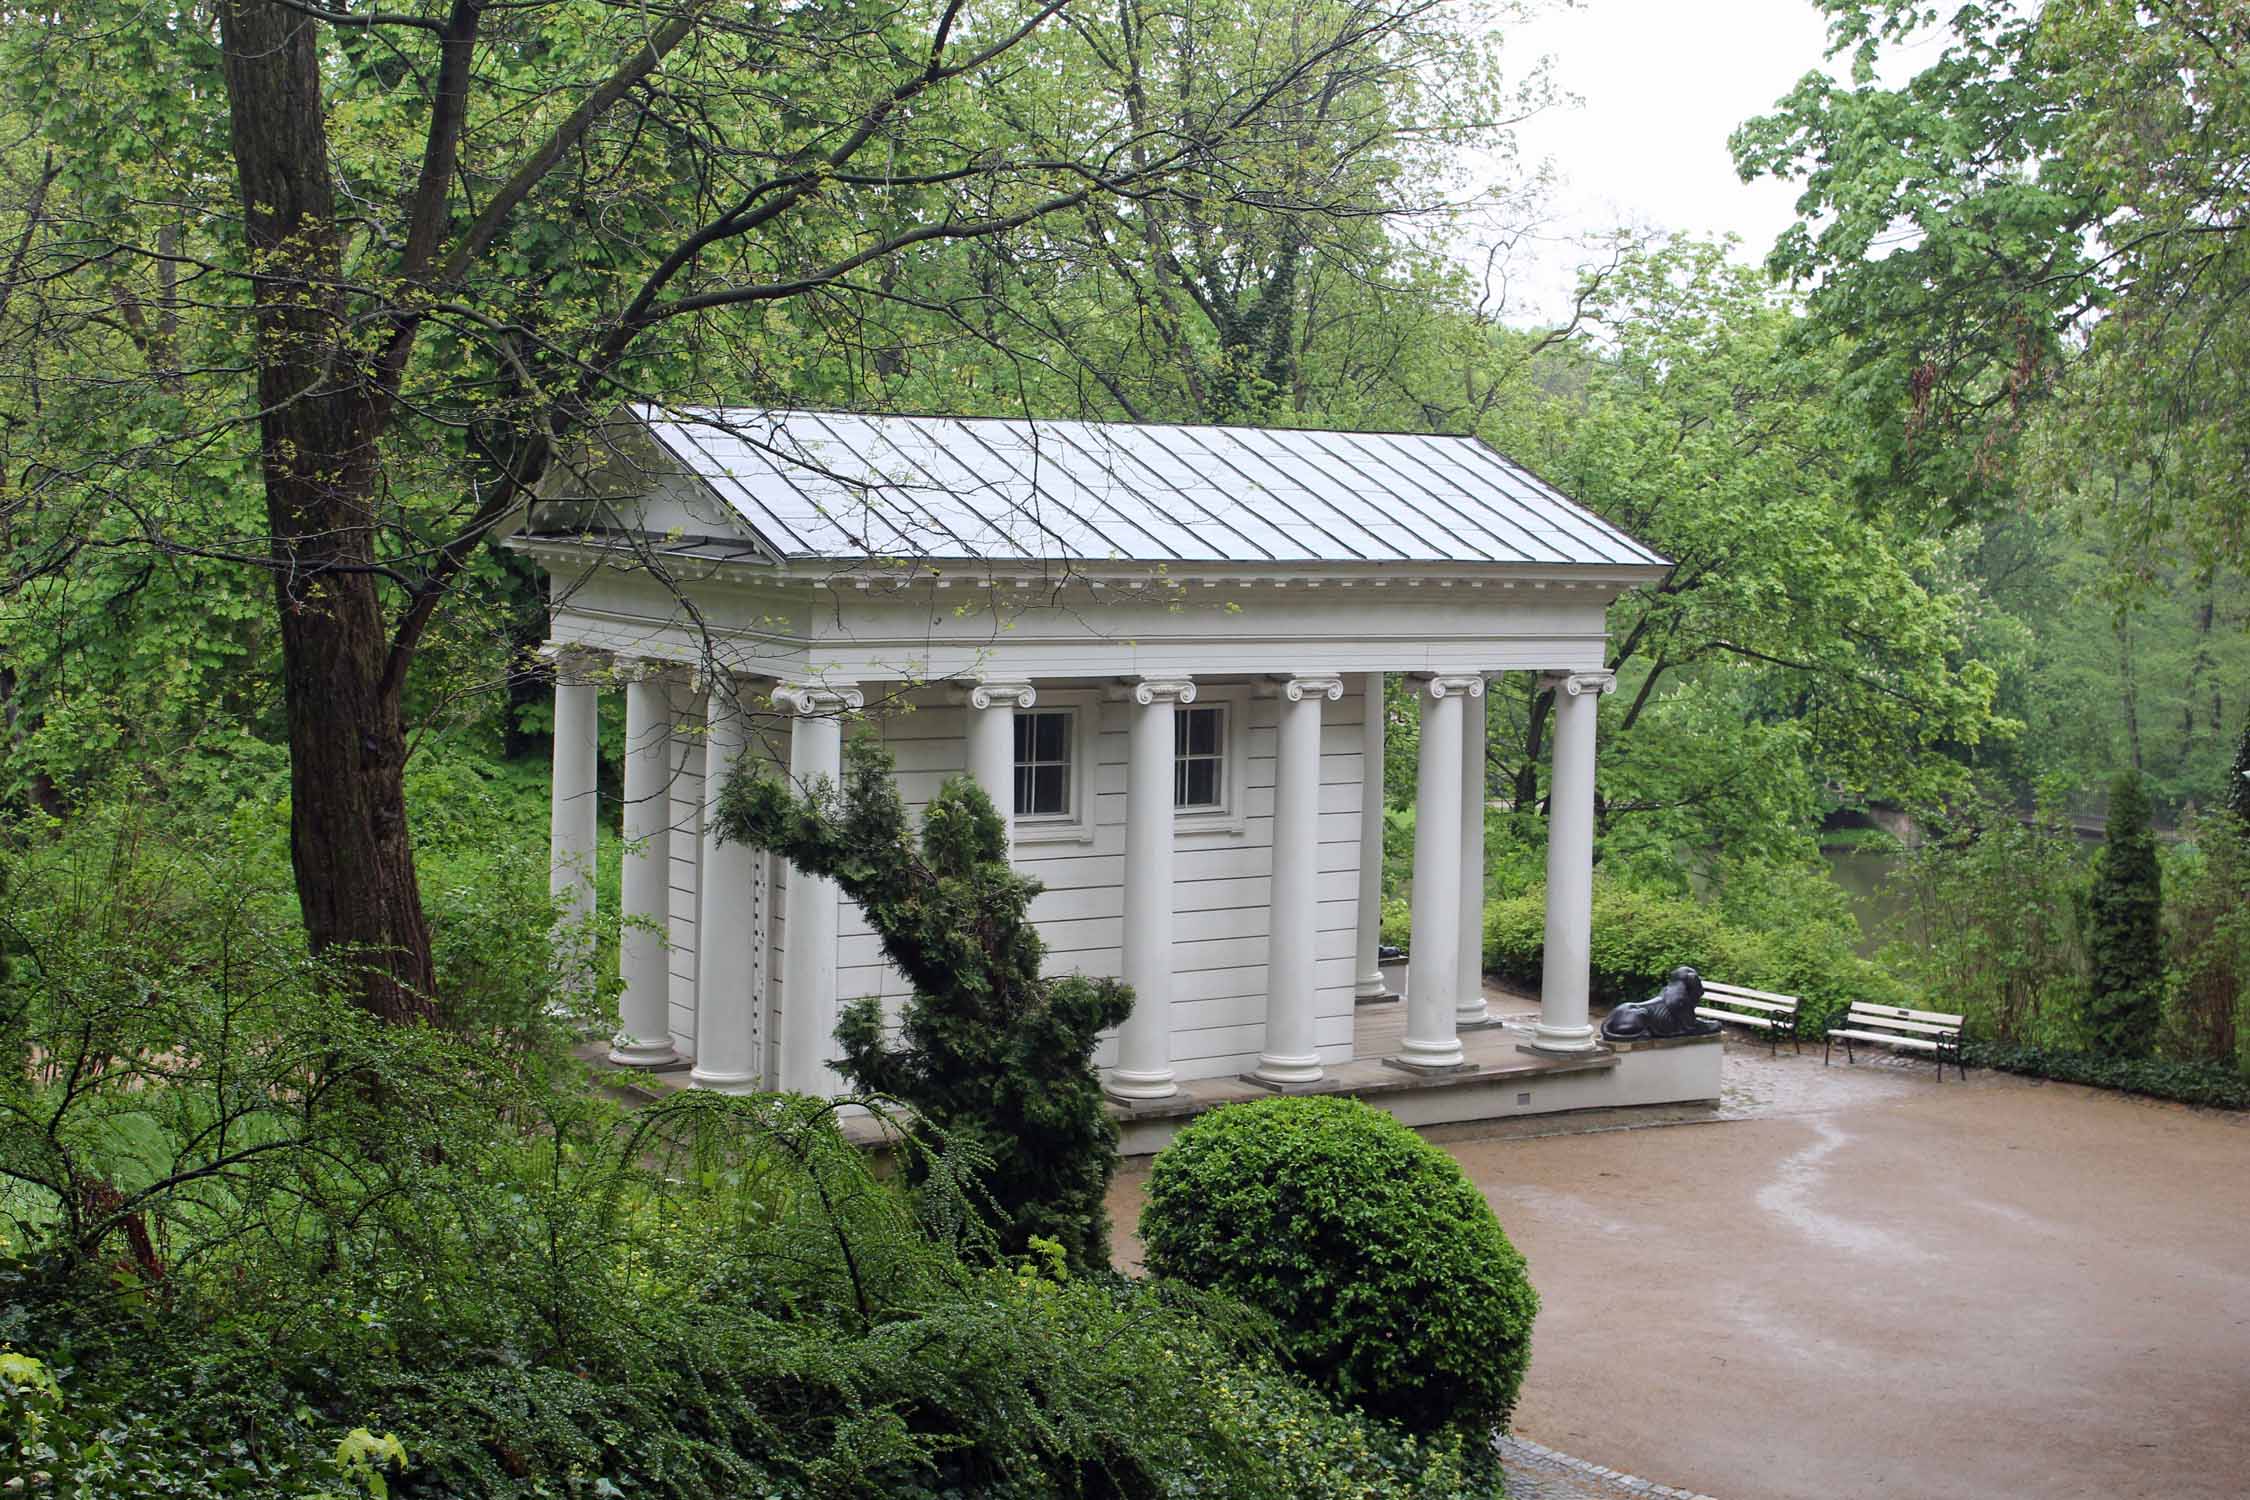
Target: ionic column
{"x":644,"y":1032}
{"x":808,"y":988}
{"x":1433,"y":967}
{"x":1468,"y":983}
{"x":1144,"y":1042}
{"x":729,"y":936}
{"x":1290,"y":1056}
{"x":989,"y":715}
{"x":1563,"y":1024}
{"x":575,"y":805}
{"x":1367,"y":979}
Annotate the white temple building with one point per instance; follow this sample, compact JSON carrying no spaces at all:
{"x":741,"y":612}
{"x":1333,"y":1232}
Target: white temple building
{"x":1162,"y":650}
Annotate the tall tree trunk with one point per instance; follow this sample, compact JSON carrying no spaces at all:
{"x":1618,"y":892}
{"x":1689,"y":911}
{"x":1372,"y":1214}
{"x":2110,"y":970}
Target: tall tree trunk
{"x":321,"y":411}
{"x":2132,"y":691}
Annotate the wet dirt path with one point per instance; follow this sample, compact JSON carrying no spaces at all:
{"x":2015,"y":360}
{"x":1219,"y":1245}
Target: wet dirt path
{"x":1863,"y":1282}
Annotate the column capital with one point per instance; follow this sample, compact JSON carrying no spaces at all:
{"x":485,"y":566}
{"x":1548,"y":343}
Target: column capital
{"x":996,"y":693}
{"x":1300,"y":686}
{"x":1578,"y":684}
{"x":628,"y":669}
{"x":1175,"y":687}
{"x":816,"y":699}
{"x":1452,"y":684}
{"x":578,"y":666}
{"x":712,"y":679}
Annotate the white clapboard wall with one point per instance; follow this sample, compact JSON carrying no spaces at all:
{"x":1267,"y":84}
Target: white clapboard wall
{"x":1222,"y":882}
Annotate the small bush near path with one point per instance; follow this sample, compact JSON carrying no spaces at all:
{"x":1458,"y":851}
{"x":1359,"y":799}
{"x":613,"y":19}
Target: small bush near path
{"x":2213,"y":1085}
{"x":1389,"y":1277}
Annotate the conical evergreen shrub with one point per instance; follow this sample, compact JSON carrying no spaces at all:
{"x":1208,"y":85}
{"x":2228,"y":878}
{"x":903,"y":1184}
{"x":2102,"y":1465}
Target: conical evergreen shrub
{"x":2125,"y":946}
{"x":990,"y":1054}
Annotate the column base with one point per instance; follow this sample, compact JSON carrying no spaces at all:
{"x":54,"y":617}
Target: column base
{"x":631,"y":1052}
{"x":1285,"y":1072}
{"x":727,"y":1083}
{"x":1471,"y":1017}
{"x":1370,"y":989}
{"x":1429,"y":1069}
{"x":1430,"y":1057}
{"x":1562,"y":1041}
{"x":1140,"y":1088}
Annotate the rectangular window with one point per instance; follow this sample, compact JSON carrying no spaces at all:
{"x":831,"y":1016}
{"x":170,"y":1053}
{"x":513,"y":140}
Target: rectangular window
{"x":1199,"y":757}
{"x":1043,"y":746}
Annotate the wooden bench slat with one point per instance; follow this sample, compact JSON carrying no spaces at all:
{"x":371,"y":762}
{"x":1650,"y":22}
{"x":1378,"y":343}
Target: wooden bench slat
{"x":1738,"y":1017}
{"x":1901,"y":1013}
{"x":1740,"y":992}
{"x":1746,"y":1000}
{"x":1915,"y":1028}
{"x":1912,"y":1043}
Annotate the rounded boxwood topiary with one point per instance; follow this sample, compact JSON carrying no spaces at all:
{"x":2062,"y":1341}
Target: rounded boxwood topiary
{"x":1389,"y":1276}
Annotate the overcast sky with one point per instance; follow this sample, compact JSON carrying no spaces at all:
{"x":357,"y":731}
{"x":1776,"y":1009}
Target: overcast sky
{"x":1663,"y":83}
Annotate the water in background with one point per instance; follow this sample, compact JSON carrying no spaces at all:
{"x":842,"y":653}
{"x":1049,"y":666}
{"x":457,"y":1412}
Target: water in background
{"x":1861,"y":873}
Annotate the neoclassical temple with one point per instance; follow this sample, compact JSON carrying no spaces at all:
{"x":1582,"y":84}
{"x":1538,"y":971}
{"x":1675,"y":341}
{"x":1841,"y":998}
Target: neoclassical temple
{"x":1161,"y":649}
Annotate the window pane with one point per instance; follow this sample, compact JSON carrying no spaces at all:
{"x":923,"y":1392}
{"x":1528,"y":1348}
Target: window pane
{"x":1023,"y":736}
{"x":1197,"y":783}
{"x":1202,"y":725}
{"x":1023,"y":790}
{"x":1050,"y":789}
{"x":1053,"y":741}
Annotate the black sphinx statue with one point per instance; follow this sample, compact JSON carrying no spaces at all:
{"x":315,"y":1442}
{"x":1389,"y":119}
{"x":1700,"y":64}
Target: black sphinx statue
{"x":1669,"y":1012}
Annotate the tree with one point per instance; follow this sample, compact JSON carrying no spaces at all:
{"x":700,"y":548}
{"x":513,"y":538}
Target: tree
{"x":991,"y":1054}
{"x":1796,"y":640}
{"x":2045,"y":222}
{"x":2125,"y":940}
{"x":327,"y":291}
{"x":2237,"y":798}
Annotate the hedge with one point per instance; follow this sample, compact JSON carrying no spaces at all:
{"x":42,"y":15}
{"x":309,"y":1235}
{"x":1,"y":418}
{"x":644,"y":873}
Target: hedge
{"x":2209,"y":1084}
{"x":1639,"y":937}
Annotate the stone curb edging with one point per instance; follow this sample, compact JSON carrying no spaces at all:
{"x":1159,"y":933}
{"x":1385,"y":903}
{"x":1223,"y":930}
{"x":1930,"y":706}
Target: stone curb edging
{"x":1543,"y":1456}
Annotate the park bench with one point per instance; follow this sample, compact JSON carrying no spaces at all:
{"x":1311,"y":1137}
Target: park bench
{"x":1931,"y":1031}
{"x":1773,"y":1014}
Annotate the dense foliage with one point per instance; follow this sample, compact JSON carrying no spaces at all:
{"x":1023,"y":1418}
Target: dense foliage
{"x":257,"y":1243}
{"x":2125,"y":930}
{"x":1392,"y":1282}
{"x":992,"y":1056}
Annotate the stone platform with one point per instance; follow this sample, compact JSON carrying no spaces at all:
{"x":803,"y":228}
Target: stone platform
{"x":1501,"y":1080}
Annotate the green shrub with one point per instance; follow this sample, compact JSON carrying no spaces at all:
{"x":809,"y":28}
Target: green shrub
{"x":1639,"y":937}
{"x":1389,"y":1277}
{"x":1992,"y":921}
{"x":2210,"y":1084}
{"x":2125,"y":937}
{"x":1397,"y":926}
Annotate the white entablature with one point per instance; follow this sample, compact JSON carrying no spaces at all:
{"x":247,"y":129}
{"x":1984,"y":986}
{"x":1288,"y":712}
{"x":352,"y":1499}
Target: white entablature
{"x":1162,"y":651}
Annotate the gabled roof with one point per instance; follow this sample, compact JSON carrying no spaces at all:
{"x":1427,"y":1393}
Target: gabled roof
{"x":825,"y":485}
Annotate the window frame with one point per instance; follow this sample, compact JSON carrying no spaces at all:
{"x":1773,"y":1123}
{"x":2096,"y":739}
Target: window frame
{"x":1230,"y":818}
{"x":1068,"y":761}
{"x":1076,"y":826}
{"x":1219,"y":758}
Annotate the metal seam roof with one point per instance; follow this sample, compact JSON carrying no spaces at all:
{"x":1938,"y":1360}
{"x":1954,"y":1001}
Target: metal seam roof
{"x":1007,"y":490}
